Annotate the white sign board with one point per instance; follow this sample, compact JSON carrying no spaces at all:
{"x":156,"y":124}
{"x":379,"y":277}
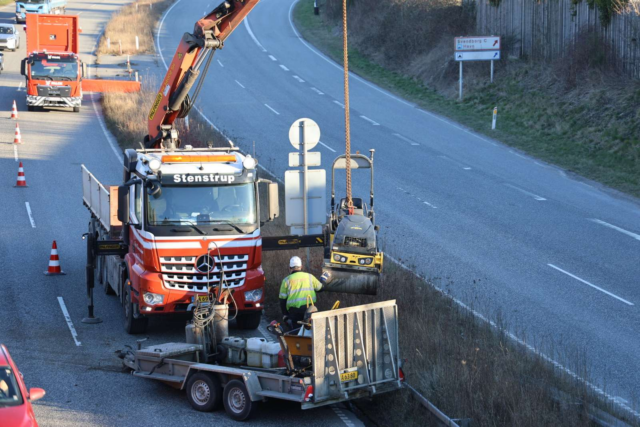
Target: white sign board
{"x":482,"y":55}
{"x":476,"y":43}
{"x":311,"y":134}
{"x":313,"y":159}
{"x":316,"y":200}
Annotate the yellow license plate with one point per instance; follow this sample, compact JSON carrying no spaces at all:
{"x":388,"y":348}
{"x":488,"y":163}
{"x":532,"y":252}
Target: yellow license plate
{"x":349,"y":376}
{"x":203,"y":298}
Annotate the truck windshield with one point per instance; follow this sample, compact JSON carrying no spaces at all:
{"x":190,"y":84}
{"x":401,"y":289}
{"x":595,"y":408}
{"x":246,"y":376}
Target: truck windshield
{"x":9,"y":392}
{"x":230,"y":204}
{"x":55,"y":68}
{"x":5,"y":30}
{"x":32,"y":1}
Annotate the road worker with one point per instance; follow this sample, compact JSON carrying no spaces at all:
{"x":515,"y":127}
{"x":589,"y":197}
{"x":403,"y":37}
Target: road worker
{"x":295,"y":289}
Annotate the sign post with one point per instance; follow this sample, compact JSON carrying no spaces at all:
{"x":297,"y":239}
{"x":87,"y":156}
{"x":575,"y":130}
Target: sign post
{"x":481,"y":48}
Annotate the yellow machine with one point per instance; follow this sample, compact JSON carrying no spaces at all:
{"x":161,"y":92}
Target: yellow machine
{"x":353,"y":261}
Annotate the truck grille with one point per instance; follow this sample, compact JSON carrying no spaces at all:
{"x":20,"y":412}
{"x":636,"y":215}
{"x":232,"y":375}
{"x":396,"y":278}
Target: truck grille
{"x":180,"y":273}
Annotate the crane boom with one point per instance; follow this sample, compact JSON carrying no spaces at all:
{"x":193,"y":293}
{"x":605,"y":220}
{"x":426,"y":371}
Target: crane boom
{"x":189,"y":65}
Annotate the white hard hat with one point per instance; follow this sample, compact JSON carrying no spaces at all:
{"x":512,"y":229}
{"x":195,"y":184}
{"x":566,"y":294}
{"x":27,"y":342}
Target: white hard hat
{"x":295,"y":262}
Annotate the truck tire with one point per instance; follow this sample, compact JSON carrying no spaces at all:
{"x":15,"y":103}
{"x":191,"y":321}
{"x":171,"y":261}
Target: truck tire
{"x":133,"y":325}
{"x":249,"y":320}
{"x":204,"y":392}
{"x":31,"y":108}
{"x":76,"y":109}
{"x":237,"y":402}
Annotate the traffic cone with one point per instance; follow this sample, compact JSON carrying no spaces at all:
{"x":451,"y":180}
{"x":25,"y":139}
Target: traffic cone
{"x":54,"y":262}
{"x":21,"y":182}
{"x":17,"y":139}
{"x":14,"y":111}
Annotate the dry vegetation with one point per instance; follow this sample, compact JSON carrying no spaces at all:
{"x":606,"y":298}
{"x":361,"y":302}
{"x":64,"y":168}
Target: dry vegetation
{"x":136,"y":19}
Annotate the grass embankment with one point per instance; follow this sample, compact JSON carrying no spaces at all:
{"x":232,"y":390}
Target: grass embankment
{"x":6,"y":2}
{"x":575,"y":113}
{"x":136,"y":19}
{"x":464,"y":367}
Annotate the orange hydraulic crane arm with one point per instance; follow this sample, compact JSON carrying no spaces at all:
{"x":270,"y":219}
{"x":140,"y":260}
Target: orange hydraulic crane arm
{"x":192,"y":58}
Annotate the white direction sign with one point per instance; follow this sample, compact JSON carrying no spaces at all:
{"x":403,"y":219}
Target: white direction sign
{"x":311,"y":133}
{"x":476,"y":43}
{"x":313,"y":159}
{"x":316,"y":200}
{"x":482,"y":55}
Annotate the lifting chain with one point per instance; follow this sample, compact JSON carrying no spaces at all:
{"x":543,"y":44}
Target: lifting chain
{"x":346,"y":105}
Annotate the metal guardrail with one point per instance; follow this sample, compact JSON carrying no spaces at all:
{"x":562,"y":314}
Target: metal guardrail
{"x":432,"y":408}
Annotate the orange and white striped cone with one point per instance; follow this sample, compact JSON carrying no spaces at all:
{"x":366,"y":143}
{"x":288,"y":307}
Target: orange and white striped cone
{"x":17,"y":139}
{"x":14,"y":111}
{"x":22,"y":181}
{"x":54,"y":262}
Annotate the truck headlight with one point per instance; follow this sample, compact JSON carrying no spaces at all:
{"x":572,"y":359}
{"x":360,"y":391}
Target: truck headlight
{"x":249,"y":163}
{"x":336,"y":257}
{"x":153,"y":299}
{"x":365,"y":261}
{"x":253,"y":296}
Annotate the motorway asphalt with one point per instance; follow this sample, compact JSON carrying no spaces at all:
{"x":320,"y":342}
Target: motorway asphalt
{"x":83,"y":379}
{"x":552,"y":253}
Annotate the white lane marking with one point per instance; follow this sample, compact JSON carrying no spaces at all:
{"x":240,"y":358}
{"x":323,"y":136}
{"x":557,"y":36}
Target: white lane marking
{"x":467,"y":168}
{"x":326,"y":146}
{"x":106,"y":133}
{"x":15,"y":153}
{"x":614,"y":227}
{"x":540,"y":164}
{"x":404,"y":138}
{"x":298,"y":79}
{"x":515,"y":338}
{"x":220,"y":63}
{"x":20,"y":87}
{"x":282,"y":66}
{"x":267,"y":105}
{"x":462,"y":165}
{"x":205,"y":118}
{"x":273,"y":58}
{"x":429,"y":204}
{"x":318,"y":91}
{"x":80,"y":13}
{"x":33,"y":223}
{"x":535,"y":196}
{"x":248,"y":27}
{"x":342,"y":416}
{"x":74,"y":334}
{"x":373,"y":122}
{"x":330,"y":61}
{"x":339,"y":103}
{"x":519,"y":155}
{"x":590,"y":284}
{"x":240,"y":84}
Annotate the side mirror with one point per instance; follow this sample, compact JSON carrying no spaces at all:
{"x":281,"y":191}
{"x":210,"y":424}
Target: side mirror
{"x":123,"y":204}
{"x":36,"y":394}
{"x":274,"y":201}
{"x":84,"y":70}
{"x":23,"y":67}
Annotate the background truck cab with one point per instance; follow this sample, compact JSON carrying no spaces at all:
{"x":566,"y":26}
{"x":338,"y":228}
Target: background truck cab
{"x":56,"y":7}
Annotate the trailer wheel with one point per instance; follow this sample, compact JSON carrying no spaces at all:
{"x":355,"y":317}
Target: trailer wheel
{"x":132,"y":324}
{"x":204,"y":392}
{"x":237,"y":402}
{"x":76,"y":109}
{"x":250,"y":320}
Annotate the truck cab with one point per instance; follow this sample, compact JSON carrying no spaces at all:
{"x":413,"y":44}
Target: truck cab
{"x":56,"y":7}
{"x":53,"y":80}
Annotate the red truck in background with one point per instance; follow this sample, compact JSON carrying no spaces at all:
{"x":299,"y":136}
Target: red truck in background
{"x":53,"y":69}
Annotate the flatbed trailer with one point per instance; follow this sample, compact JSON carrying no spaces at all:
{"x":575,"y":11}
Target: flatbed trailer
{"x":353,"y":352}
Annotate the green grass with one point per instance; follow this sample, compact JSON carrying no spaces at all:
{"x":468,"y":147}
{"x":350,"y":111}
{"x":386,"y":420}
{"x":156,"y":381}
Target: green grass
{"x":593,"y":132}
{"x":6,"y":2}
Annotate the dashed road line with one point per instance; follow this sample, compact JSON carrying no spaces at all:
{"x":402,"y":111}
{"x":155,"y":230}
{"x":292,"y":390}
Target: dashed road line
{"x":404,"y":138}
{"x":273,"y":58}
{"x":15,"y":153}
{"x":74,"y":334}
{"x":240,"y":84}
{"x":20,"y":87}
{"x":33,"y":223}
{"x":419,"y":199}
{"x":429,"y":204}
{"x":220,"y":63}
{"x":298,"y":79}
{"x":269,"y":107}
{"x":318,"y":91}
{"x":535,"y":196}
{"x":614,"y":227}
{"x":283,"y":67}
{"x":591,"y":284}
{"x":373,"y":122}
{"x":339,"y":103}
{"x":326,"y":146}
{"x":462,"y":165}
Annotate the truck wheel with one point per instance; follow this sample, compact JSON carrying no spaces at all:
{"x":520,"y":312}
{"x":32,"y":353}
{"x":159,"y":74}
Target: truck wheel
{"x":237,"y":402}
{"x":76,"y":109}
{"x":132,"y":324}
{"x":31,"y":108}
{"x":250,"y":320}
{"x":204,"y":392}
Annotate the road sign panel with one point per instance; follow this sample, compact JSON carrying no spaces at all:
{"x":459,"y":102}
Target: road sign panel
{"x":316,"y":200}
{"x":311,"y":134}
{"x":482,"y":55}
{"x":313,"y":159}
{"x":476,"y":43}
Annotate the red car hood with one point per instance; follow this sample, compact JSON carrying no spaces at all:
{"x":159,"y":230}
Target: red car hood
{"x":16,"y":416}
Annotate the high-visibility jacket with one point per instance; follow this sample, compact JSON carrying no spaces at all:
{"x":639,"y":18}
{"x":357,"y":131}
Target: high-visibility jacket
{"x":297,"y":286}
